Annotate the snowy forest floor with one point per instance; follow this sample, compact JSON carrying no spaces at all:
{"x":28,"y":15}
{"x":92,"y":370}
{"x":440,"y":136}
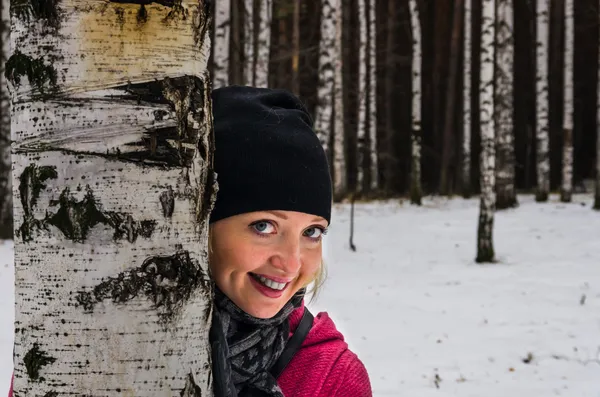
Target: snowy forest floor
{"x":427,"y":321}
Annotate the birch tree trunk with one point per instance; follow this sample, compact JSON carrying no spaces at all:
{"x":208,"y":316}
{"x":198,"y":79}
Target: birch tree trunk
{"x":372,"y":100}
{"x":485,"y":246}
{"x":340,"y":170}
{"x":389,"y":158}
{"x":221,"y":45}
{"x":112,"y":149}
{"x":361,"y":150}
{"x":466,"y":141}
{"x":327,"y":57}
{"x":542,"y":126}
{"x":505,"y":141}
{"x":566,"y":190}
{"x":249,"y":58}
{"x":6,"y":222}
{"x":416,"y":192}
{"x":263,"y":48}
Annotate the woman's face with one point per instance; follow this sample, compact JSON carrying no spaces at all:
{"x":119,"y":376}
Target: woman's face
{"x":261,"y":259}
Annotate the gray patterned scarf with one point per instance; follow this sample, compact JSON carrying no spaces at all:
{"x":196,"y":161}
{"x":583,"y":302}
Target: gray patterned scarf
{"x":245,"y":348}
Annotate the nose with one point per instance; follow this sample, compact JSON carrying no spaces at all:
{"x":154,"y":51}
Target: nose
{"x":288,"y":256}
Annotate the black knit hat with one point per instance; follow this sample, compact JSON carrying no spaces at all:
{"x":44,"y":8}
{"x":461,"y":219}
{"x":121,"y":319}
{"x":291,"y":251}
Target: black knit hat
{"x":267,"y":156}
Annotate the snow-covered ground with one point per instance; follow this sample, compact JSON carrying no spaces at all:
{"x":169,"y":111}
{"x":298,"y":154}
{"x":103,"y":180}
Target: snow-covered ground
{"x":419,"y":312}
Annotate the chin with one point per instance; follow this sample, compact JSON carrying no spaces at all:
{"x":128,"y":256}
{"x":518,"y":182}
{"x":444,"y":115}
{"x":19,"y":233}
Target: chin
{"x":262,"y":312}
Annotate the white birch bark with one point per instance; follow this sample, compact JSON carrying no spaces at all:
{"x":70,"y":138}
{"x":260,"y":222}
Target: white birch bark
{"x":542,"y":104}
{"x":485,"y":247}
{"x":263,"y":44}
{"x":340,"y":168}
{"x":416,"y":192}
{"x":361,"y":148}
{"x":6,"y":225}
{"x":372,"y":112}
{"x":466,"y":138}
{"x":249,"y":59}
{"x":327,"y":58}
{"x":221,"y":46}
{"x":566,"y":190}
{"x":505,"y":141}
{"x":112,"y":146}
{"x":597,"y":195}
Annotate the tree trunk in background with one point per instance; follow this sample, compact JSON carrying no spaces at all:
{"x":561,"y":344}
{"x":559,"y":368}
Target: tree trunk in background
{"x":6,"y":216}
{"x":112,"y":288}
{"x":361,"y":149}
{"x":296,"y":49}
{"x":389,"y":160}
{"x":450,"y":109}
{"x":542,"y":128}
{"x":485,"y":246}
{"x":416,"y":193}
{"x":221,"y":47}
{"x":340,"y":169}
{"x":566,"y":190}
{"x":327,"y":57}
{"x":263,"y":44}
{"x":249,"y":54}
{"x":597,"y":195}
{"x":466,"y":141}
{"x":506,"y":196}
{"x":372,"y":96}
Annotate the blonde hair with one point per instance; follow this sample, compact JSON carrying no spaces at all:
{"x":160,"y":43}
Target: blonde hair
{"x":317,"y":281}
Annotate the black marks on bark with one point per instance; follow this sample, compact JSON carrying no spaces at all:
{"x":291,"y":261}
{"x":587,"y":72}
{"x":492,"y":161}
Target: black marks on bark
{"x":34,"y":360}
{"x":76,"y":218}
{"x":142,"y":15}
{"x":120,"y":16}
{"x":41,"y":76}
{"x":191,"y":389}
{"x":209,"y":197}
{"x":31,"y":183}
{"x":179,"y":12}
{"x":28,"y":10}
{"x":202,"y":21}
{"x":51,"y":394}
{"x":166,"y":3}
{"x":167,"y":201}
{"x":167,"y":281}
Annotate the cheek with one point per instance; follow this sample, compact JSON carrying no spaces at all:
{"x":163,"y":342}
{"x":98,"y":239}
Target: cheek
{"x":312,"y":261}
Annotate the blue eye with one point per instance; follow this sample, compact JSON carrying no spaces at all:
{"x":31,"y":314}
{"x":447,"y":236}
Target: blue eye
{"x":315,"y":232}
{"x":262,"y":227}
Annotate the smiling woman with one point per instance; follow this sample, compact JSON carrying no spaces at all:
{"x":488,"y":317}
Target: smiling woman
{"x":272,"y":209}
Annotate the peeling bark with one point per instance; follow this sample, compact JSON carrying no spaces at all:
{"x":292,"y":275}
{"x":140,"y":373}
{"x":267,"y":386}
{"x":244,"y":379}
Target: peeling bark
{"x":485,"y":246}
{"x":112,"y":149}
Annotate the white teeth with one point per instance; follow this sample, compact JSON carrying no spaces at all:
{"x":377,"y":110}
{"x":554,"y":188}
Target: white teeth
{"x":271,"y":284}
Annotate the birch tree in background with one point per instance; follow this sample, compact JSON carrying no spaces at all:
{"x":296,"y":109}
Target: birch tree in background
{"x":416,"y":193}
{"x":263,"y":47}
{"x":221,"y":46}
{"x":361,"y":149}
{"x":485,"y":246}
{"x":340,"y":169}
{"x":327,"y":57}
{"x":6,"y":224}
{"x":249,"y":59}
{"x":542,"y":127}
{"x":372,"y":92}
{"x":506,"y":196}
{"x":566,"y":190}
{"x":296,"y":48}
{"x":466,"y":141}
{"x":112,"y":291}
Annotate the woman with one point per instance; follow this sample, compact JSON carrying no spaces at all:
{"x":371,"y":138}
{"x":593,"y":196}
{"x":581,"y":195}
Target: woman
{"x":265,"y":247}
{"x":272,"y":209}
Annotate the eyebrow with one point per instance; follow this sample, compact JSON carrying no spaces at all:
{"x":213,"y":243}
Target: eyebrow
{"x":283,"y":216}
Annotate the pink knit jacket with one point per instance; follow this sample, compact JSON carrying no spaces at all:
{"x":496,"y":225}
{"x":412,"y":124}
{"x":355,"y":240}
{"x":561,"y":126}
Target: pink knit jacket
{"x":323,"y":366}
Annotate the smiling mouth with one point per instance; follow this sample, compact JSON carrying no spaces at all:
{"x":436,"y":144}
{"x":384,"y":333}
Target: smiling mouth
{"x":269,"y":283}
